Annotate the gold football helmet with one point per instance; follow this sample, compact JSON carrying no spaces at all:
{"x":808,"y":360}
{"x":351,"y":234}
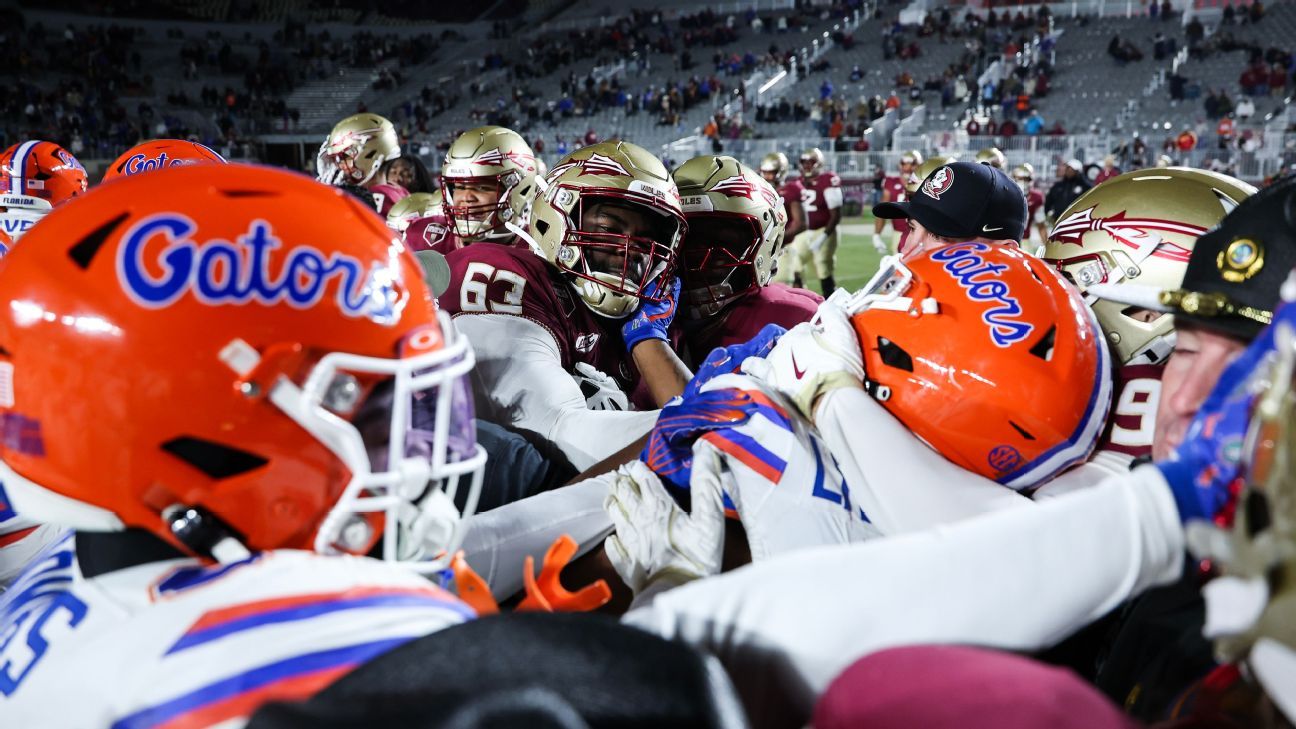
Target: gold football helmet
{"x":812,"y":162}
{"x":1139,"y":227}
{"x":912,"y":157}
{"x":610,"y":269}
{"x":735,"y":229}
{"x":355,"y":150}
{"x":773,"y":167}
{"x":487,"y":181}
{"x":925,"y":168}
{"x":993,"y":157}
{"x":1024,"y":175}
{"x":407,"y":210}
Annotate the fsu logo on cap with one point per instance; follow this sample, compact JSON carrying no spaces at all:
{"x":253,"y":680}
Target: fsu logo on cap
{"x":939,"y":183}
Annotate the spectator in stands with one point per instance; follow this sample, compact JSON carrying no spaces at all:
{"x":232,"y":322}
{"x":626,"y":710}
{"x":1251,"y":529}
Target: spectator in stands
{"x":1229,"y":17}
{"x":1257,"y":11}
{"x":1034,"y":123}
{"x":1278,"y":80}
{"x":1245,"y":109}
{"x":1109,"y":168}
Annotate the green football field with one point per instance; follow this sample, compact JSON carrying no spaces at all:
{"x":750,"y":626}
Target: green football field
{"x":856,"y":258}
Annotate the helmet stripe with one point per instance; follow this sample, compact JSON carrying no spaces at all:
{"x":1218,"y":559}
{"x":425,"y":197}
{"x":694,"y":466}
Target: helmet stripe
{"x":18,"y":174}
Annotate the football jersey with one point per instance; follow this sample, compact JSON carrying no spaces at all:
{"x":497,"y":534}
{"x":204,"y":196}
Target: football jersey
{"x":790,"y":190}
{"x":773,"y":304}
{"x":895,"y":191}
{"x":1034,"y":208}
{"x":820,"y":197}
{"x":490,"y":278}
{"x":1136,"y":390}
{"x":387,"y":195}
{"x":184,"y":643}
{"x":432,"y":233}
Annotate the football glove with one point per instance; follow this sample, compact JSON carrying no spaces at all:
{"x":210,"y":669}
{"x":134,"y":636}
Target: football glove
{"x":652,"y":319}
{"x":813,"y":359}
{"x":601,"y":392}
{"x":658,"y":545}
{"x":728,"y":360}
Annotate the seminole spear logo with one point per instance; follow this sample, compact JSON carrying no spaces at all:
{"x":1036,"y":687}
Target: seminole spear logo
{"x":1143,"y":235}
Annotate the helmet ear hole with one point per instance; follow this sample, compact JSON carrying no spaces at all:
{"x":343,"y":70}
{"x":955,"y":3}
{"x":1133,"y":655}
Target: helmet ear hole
{"x":1044,"y":347}
{"x":893,"y":355}
{"x":216,"y":460}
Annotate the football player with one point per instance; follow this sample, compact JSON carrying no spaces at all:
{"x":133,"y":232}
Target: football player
{"x":774,"y":168}
{"x":1024,"y":175}
{"x":736,"y":226}
{"x":993,"y":157}
{"x":593,"y":291}
{"x":822,"y":201}
{"x":35,"y":178}
{"x":895,"y":188}
{"x":158,"y":154}
{"x":320,"y":410}
{"x":420,"y":219}
{"x":487,"y":181}
{"x":353,"y":155}
{"x":786,"y":644}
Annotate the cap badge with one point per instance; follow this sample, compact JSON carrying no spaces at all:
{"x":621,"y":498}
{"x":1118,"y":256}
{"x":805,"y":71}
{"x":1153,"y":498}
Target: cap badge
{"x":939,"y":183}
{"x":1242,"y":259}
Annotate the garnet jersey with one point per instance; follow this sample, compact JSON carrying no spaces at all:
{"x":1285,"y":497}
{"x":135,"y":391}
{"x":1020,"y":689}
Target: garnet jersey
{"x":773,"y":304}
{"x":791,"y":190}
{"x":895,"y":191}
{"x":1034,"y":208}
{"x":1136,"y":389}
{"x":432,"y":233}
{"x":387,"y":195}
{"x":182,"y":643}
{"x":820,"y":197}
{"x":491,"y":278}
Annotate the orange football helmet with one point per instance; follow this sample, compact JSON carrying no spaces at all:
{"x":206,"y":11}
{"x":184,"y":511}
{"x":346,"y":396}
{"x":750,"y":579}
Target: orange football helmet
{"x":35,"y":177}
{"x":263,"y":363}
{"x":158,"y":153}
{"x":989,"y":356}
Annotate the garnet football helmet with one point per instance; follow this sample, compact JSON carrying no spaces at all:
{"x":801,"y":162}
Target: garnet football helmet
{"x":497,"y":158}
{"x":812,"y":162}
{"x":774,"y":168}
{"x":356,"y":149}
{"x":159,"y":153}
{"x":986,"y":354}
{"x":36,"y":177}
{"x":417,"y":205}
{"x":610,"y":271}
{"x":263,"y":365}
{"x":735,"y":229}
{"x":1139,"y":227}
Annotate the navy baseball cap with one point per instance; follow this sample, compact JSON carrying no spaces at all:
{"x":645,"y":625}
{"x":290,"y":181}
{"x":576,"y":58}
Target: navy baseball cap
{"x":964,"y":200}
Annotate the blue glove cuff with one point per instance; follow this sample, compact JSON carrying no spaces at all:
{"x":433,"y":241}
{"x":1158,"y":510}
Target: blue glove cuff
{"x":1183,"y":485}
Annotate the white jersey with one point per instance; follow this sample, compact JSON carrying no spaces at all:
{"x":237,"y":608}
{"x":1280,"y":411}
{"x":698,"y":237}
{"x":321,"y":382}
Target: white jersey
{"x":180,"y":642}
{"x":20,"y":540}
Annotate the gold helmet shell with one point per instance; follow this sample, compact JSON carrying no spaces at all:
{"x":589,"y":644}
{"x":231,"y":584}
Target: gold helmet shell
{"x":408,"y":209}
{"x":610,"y":271}
{"x":736,"y":222}
{"x":1139,"y":228}
{"x":1024,"y":175}
{"x":774,"y":164}
{"x":992,"y":156}
{"x":356,"y":149}
{"x":491,"y":156}
{"x":812,"y":162}
{"x":930,"y":165}
{"x":911,"y":157}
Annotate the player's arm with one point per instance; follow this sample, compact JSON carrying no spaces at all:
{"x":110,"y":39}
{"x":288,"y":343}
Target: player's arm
{"x":647,"y":337}
{"x":1021,"y":580}
{"x":521,"y":382}
{"x":833,"y":200}
{"x":880,"y":223}
{"x":796,"y":219}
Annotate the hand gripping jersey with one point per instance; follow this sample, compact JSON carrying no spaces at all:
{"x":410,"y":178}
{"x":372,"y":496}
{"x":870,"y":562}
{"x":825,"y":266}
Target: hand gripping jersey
{"x":489,"y":278}
{"x":775,"y":303}
{"x":821,"y":196}
{"x":180,"y":644}
{"x":894,"y":188}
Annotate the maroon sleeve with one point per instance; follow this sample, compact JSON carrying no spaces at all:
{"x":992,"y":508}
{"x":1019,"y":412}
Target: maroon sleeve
{"x":488,"y":278}
{"x":385,"y":196}
{"x":773,"y":304}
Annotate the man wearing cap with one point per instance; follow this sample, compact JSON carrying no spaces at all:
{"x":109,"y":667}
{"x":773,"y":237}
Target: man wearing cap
{"x":961,"y":201}
{"x":1070,"y":185}
{"x":1023,"y":578}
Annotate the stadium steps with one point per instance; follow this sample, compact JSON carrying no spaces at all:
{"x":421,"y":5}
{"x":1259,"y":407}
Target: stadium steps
{"x":323,"y":103}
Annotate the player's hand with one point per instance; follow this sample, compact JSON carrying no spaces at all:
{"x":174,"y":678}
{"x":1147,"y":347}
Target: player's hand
{"x":653,"y":319}
{"x":813,"y":359}
{"x":728,"y":360}
{"x":658,"y":545}
{"x":880,"y":245}
{"x":670,"y":444}
{"x":601,"y":392}
{"x":1205,"y":472}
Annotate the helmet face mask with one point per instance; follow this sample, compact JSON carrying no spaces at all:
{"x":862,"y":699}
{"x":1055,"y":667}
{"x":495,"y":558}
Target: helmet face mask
{"x":613,"y":269}
{"x":1139,"y":228}
{"x":479,"y":206}
{"x":812,"y":162}
{"x":1024,"y":175}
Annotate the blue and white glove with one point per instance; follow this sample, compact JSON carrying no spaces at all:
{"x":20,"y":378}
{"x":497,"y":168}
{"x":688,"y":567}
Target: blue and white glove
{"x":652,"y":319}
{"x":669,"y":452}
{"x":727,"y":360}
{"x":1205,"y":471}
